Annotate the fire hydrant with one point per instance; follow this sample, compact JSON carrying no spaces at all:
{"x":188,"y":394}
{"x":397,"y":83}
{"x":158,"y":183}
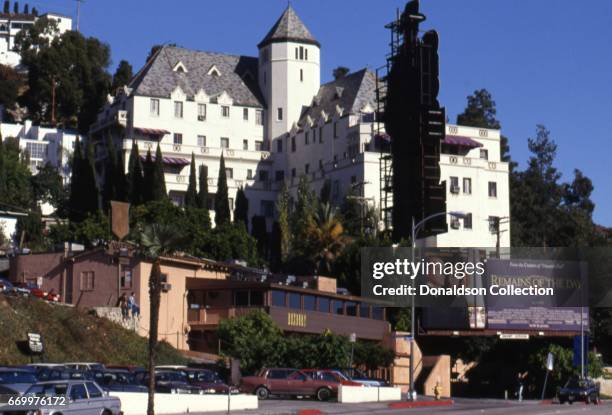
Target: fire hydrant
{"x":437,"y":391}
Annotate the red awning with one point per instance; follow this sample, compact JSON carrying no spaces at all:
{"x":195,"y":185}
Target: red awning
{"x":458,"y":140}
{"x":170,"y":161}
{"x":150,"y":131}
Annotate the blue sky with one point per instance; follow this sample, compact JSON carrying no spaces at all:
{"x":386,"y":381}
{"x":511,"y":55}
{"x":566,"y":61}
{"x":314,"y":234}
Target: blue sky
{"x":545,"y":62}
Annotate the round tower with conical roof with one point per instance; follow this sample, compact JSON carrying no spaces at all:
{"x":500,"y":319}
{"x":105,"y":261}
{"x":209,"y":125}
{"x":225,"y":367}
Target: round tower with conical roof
{"x":289,"y":73}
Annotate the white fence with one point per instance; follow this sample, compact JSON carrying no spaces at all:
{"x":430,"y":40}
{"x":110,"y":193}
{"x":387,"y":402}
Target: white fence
{"x":357,"y":394}
{"x":165,"y":404}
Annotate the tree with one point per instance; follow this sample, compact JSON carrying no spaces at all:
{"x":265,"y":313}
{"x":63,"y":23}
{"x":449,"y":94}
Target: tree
{"x":191,"y":197}
{"x":222,"y":209}
{"x":26,"y":9}
{"x":84,"y":194}
{"x":123,"y":75}
{"x":48,"y":187}
{"x":15,"y":175}
{"x":325,"y":193}
{"x":254,"y":339}
{"x":203,"y":195}
{"x":34,"y":11}
{"x":7,"y":6}
{"x":114,"y":177}
{"x":148,"y":177}
{"x":155,"y":242}
{"x":341,"y":72}
{"x":260,"y":233}
{"x":73,"y":69}
{"x":158,"y":178}
{"x":135,"y":180}
{"x":326,"y":240}
{"x":16,"y":7}
{"x":284,"y":228}
{"x":241,"y":210}
{"x":10,"y":82}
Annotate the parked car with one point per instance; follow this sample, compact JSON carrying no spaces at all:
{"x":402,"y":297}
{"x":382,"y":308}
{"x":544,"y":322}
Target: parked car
{"x":83,"y":366}
{"x":16,"y":381}
{"x":208,"y":380}
{"x":69,"y":397}
{"x":290,"y":382}
{"x":358,"y":376}
{"x":118,"y":380}
{"x":170,"y":381}
{"x":584,"y":390}
{"x":9,"y":288}
{"x":332,"y":376}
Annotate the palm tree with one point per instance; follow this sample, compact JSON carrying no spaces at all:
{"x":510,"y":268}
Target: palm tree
{"x":155,"y":242}
{"x":326,"y":235}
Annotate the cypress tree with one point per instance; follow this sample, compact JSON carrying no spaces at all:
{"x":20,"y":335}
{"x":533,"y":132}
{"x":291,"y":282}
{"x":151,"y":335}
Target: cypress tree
{"x":91,"y":192}
{"x":203,"y":188}
{"x":191,"y":197}
{"x":84,"y":194}
{"x":26,"y":9}
{"x":222,"y":209}
{"x":241,"y":211}
{"x":16,"y":7}
{"x":7,"y":6}
{"x":76,"y":180}
{"x":148,"y":179}
{"x":260,"y":233}
{"x":34,"y":11}
{"x":109,"y":189}
{"x":120,"y":179}
{"x":159,"y":179}
{"x":135,"y":182}
{"x":3,"y":186}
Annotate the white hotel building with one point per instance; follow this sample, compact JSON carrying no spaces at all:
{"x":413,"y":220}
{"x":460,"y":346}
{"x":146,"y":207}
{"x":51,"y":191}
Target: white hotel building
{"x":274,"y":121}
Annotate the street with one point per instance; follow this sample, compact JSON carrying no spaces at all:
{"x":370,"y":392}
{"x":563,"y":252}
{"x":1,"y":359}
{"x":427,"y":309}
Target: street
{"x":460,"y":406}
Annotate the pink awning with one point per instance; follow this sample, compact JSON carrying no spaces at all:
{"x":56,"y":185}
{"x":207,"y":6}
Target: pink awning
{"x":170,"y":161}
{"x":458,"y":140}
{"x":150,"y":131}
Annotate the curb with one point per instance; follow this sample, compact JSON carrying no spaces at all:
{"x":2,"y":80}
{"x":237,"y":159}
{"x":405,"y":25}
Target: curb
{"x":422,"y":404}
{"x":310,"y":412}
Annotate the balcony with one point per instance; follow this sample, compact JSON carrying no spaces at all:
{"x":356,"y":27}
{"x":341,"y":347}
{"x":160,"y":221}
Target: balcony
{"x":211,"y":317}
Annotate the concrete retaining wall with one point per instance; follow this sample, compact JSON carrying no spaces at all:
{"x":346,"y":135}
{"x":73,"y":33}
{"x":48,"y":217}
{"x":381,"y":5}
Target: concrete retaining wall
{"x":357,"y":394}
{"x":136,"y":403}
{"x":605,"y":386}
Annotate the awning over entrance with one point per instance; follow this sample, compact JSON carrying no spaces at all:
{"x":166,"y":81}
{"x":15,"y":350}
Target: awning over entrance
{"x":151,"y":131}
{"x":170,"y":161}
{"x":458,"y":140}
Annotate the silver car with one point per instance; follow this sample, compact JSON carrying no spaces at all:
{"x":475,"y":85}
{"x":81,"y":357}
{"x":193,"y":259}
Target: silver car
{"x":78,"y":397}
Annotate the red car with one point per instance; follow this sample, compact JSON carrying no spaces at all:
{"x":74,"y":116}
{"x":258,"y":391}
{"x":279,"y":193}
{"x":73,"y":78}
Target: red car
{"x":292,"y":382}
{"x":331,"y":375}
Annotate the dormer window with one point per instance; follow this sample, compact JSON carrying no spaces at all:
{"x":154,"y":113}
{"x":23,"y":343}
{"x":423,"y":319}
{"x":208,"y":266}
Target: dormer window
{"x":179,"y":67}
{"x":214,"y":71}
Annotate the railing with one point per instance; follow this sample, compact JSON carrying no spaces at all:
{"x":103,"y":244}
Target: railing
{"x":213,"y":316}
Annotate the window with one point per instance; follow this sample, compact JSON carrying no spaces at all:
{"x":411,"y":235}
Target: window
{"x":36,"y":150}
{"x":202,"y":140}
{"x":245,"y":114}
{"x":258,"y":145}
{"x":201,"y":112}
{"x":320,"y":134}
{"x":301,"y":75}
{"x":305,"y":54}
{"x":126,"y":278}
{"x":279,"y":145}
{"x":314,"y":135}
{"x":364,"y":311}
{"x":306,"y":138}
{"x":245,"y":144}
{"x":351,"y":309}
{"x":278,"y":374}
{"x":295,"y":301}
{"x":87,"y":280}
{"x":309,"y":302}
{"x":278,"y":298}
{"x":241,"y":298}
{"x":259,"y":117}
{"x":467,"y":185}
{"x":94,"y":391}
{"x":297,"y":56}
{"x":279,"y":114}
{"x":178,"y":138}
{"x":320,"y":164}
{"x":257,"y":298}
{"x":338,"y":307}
{"x":454,"y":184}
{"x":263,"y":176}
{"x":154,"y":107}
{"x":467,"y":221}
{"x":78,"y":392}
{"x":378,"y":313}
{"x":307,"y":168}
{"x":335,"y":130}
{"x":323,"y":305}
{"x":225,"y":111}
{"x":229,"y":172}
{"x":267,"y":208}
{"x":279,"y":175}
{"x":249,"y":174}
{"x":224,"y":142}
{"x":492,"y":189}
{"x":178,"y":109}
{"x":293,"y":144}
{"x":301,"y":52}
{"x":484,"y":154}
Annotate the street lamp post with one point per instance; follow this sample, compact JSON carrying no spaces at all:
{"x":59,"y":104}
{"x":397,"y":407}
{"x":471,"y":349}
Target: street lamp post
{"x":415,"y":229}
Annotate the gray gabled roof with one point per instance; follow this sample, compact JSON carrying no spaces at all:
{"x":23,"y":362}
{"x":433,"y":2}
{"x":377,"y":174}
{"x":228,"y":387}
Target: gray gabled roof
{"x":289,"y":28}
{"x":351,"y":93}
{"x":238,"y":75}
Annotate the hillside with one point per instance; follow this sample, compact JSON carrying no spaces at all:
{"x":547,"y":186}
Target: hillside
{"x":70,"y":334}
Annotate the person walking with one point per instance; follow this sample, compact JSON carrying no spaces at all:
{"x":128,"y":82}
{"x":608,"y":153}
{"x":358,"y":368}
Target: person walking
{"x":122,"y":303}
{"x":134,"y":309}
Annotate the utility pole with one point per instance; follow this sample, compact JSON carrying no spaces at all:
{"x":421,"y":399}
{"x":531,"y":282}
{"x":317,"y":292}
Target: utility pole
{"x":78,"y":13}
